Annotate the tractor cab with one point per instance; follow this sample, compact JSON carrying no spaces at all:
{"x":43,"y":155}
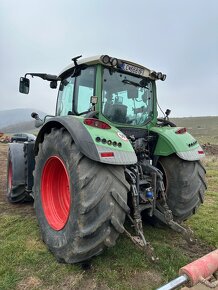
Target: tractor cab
{"x":116,"y":91}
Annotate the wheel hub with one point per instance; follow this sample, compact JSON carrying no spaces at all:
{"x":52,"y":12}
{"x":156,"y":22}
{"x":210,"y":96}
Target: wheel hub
{"x":55,"y":192}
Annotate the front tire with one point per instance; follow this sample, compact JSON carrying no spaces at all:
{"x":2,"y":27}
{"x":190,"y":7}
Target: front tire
{"x":80,"y":204}
{"x":16,"y":187}
{"x":185,"y":185}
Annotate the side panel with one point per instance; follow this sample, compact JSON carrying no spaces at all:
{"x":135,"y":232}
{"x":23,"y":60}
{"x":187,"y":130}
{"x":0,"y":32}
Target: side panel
{"x":184,"y":145}
{"x":92,"y":142}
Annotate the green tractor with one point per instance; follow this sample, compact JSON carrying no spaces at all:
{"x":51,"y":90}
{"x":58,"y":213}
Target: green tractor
{"x":105,"y":156}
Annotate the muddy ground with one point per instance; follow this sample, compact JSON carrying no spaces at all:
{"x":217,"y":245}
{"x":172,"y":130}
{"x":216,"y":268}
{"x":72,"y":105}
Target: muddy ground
{"x":210,"y":149}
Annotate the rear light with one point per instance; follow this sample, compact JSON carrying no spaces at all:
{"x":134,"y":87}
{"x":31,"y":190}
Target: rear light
{"x":201,"y":152}
{"x":181,"y":131}
{"x":96,"y":123}
{"x":107,"y":154}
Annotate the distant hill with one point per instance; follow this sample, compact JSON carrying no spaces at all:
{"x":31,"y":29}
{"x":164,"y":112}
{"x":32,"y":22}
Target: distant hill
{"x":205,"y":129}
{"x":20,"y":127}
{"x":199,"y":125}
{"x":18,"y":120}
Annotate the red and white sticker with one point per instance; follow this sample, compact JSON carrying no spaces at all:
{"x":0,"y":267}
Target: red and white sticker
{"x":122,"y":136}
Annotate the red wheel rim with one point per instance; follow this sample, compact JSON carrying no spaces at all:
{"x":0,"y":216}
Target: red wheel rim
{"x":10,"y":175}
{"x":55,"y":190}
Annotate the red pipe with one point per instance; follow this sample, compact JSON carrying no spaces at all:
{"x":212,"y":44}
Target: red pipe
{"x":203,"y":267}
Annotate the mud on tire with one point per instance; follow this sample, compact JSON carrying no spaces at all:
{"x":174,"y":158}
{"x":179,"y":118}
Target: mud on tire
{"x":185,"y":185}
{"x":97,"y":206}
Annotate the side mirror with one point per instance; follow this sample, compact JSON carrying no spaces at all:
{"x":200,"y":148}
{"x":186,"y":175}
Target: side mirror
{"x":24,"y":85}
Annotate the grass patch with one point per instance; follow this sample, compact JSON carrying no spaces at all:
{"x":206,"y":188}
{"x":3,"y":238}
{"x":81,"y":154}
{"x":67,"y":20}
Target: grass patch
{"x":119,"y":263}
{"x":24,"y":255}
{"x":204,"y":223}
{"x":25,"y":259}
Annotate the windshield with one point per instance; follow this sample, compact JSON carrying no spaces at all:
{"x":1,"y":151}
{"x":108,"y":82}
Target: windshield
{"x":126,"y":99}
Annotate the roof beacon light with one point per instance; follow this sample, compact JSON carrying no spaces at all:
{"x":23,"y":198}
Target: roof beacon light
{"x":106,"y":59}
{"x":159,"y":75}
{"x":114,"y":61}
{"x":153,"y":74}
{"x":164,"y":77}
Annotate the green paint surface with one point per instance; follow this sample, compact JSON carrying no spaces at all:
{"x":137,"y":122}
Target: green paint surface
{"x":169,"y":142}
{"x":108,"y":134}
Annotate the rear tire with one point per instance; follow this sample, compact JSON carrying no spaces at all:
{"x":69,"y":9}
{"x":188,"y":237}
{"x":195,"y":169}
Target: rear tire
{"x":90,"y":204}
{"x":185,"y":185}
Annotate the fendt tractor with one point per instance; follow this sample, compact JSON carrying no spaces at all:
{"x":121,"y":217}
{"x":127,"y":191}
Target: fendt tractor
{"x":105,"y":156}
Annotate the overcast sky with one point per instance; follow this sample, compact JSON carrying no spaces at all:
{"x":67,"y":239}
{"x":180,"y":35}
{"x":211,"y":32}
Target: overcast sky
{"x":179,"y":38}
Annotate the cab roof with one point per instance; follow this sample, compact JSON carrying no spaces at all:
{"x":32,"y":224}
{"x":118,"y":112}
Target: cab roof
{"x":125,"y":65}
{"x":98,"y":60}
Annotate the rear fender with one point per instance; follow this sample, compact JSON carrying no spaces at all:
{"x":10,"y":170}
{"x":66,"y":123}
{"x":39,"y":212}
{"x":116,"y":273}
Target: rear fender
{"x":92,"y":141}
{"x":184,"y":145}
{"x":16,"y":152}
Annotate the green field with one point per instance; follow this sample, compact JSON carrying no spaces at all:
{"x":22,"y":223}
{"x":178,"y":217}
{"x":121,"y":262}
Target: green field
{"x":205,"y":129}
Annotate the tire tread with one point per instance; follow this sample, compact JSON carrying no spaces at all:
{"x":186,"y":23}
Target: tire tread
{"x":97,"y":207}
{"x":186,"y":185}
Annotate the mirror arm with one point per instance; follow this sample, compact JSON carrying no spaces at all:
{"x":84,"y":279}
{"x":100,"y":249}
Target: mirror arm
{"x":47,"y":116}
{"x":43,"y":76}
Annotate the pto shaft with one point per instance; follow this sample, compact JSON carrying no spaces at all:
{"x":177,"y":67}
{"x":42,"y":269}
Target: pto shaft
{"x":179,"y":281}
{"x":195,"y":272}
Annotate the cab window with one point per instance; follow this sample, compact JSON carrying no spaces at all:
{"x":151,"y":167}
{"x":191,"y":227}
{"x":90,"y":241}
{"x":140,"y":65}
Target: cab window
{"x":84,"y":89}
{"x":65,"y":97}
{"x":126,"y":99}
{"x":75,"y":93}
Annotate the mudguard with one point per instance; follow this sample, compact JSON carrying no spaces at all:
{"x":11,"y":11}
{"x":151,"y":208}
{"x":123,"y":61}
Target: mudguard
{"x":97,"y":144}
{"x":16,"y":151}
{"x":182,"y":144}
